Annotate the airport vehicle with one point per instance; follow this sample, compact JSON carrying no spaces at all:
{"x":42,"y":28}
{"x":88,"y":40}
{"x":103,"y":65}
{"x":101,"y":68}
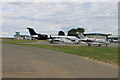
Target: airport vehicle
{"x":68,"y":39}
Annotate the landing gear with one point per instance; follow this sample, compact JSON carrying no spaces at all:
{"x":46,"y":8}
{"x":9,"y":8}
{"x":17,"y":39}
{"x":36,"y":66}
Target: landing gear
{"x":51,"y":41}
{"x":89,"y":45}
{"x":77,"y":43}
{"x":99,"y":45}
{"x":106,"y":44}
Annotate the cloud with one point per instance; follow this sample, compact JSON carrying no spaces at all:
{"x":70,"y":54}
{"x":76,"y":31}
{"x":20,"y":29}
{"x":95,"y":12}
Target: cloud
{"x":50,"y":17}
{"x":60,"y":0}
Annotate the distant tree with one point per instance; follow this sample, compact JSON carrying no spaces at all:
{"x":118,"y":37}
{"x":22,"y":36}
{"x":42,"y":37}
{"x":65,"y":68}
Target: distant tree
{"x":61,"y":33}
{"x":73,"y":32}
{"x":81,"y":30}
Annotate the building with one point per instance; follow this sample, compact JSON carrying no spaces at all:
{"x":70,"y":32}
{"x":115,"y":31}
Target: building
{"x":97,"y":35}
{"x":18,"y":36}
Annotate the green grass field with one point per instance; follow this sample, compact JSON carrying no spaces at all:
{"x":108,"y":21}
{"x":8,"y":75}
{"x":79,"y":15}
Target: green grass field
{"x":15,"y":41}
{"x":104,"y":54}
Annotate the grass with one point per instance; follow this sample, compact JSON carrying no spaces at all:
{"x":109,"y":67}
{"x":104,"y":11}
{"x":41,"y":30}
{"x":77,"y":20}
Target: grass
{"x":15,"y":41}
{"x":104,"y":54}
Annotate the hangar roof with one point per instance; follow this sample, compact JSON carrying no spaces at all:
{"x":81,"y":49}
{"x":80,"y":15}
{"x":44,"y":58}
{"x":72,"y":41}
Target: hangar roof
{"x":96,"y":34}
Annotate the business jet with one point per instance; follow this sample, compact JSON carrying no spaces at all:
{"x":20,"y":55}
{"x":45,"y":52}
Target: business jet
{"x":53,"y":39}
{"x":92,"y":41}
{"x":35,"y":35}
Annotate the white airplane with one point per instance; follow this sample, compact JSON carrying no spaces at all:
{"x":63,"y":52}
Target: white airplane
{"x":93,"y":41}
{"x":68,"y":39}
{"x":65,"y":39}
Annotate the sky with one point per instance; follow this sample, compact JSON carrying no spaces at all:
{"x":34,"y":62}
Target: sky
{"x":52,"y":17}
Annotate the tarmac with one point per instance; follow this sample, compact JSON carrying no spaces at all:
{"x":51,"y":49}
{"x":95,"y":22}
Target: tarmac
{"x":31,"y":62}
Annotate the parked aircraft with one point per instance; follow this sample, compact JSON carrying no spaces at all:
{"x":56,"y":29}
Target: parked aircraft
{"x":35,"y":35}
{"x":93,"y":41}
{"x":68,"y":39}
{"x":65,"y":39}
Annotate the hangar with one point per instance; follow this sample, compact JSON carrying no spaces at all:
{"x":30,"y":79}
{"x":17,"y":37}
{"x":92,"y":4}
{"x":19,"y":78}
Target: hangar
{"x":97,"y":35}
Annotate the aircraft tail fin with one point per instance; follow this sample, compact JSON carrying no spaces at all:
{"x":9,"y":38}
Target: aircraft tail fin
{"x":32,"y":32}
{"x":80,"y":35}
{"x":51,"y":37}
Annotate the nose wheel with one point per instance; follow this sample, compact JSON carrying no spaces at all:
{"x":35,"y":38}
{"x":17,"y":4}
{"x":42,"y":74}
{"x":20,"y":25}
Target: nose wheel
{"x":51,"y":41}
{"x":99,"y":45}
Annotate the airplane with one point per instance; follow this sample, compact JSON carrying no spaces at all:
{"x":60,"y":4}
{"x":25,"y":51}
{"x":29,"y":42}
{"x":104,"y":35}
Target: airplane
{"x":65,"y":39}
{"x":68,"y":39}
{"x":92,"y":41}
{"x":53,"y":39}
{"x":35,"y":35}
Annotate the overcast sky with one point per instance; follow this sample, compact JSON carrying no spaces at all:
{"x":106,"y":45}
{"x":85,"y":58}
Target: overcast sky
{"x":51,"y":17}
